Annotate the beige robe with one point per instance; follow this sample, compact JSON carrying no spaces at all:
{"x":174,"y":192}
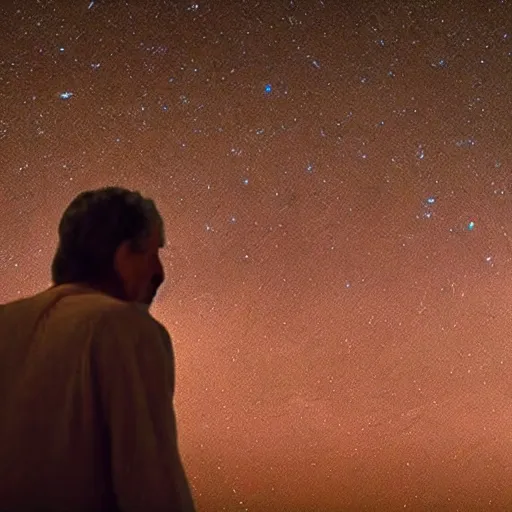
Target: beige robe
{"x":86,"y":406}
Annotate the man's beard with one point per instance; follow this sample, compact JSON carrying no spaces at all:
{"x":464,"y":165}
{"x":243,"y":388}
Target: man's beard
{"x":143,"y":306}
{"x":146,"y":303}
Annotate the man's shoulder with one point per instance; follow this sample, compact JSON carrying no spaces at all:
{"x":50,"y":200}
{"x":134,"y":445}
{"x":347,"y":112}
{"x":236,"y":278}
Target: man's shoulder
{"x":83,"y":308}
{"x":125,"y":314}
{"x":125,"y":331}
{"x":129,"y":320}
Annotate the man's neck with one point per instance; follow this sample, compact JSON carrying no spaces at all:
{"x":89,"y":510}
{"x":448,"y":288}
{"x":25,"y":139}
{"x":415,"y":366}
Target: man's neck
{"x":114,"y":291}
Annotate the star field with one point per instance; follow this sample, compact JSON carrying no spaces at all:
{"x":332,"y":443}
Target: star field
{"x":335,"y":182}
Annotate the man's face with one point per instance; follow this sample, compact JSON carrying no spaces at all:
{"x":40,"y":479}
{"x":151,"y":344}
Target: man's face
{"x":141,"y":272}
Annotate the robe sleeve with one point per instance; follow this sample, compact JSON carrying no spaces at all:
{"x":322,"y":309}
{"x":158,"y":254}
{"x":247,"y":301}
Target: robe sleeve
{"x":135,"y":374}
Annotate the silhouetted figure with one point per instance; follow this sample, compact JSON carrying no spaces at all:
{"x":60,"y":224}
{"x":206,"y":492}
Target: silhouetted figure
{"x":87,"y":375}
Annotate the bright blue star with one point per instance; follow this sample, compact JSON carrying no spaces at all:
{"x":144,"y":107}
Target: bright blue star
{"x":471,"y":226}
{"x":268,"y":88}
{"x":465,"y":143}
{"x":65,"y":95}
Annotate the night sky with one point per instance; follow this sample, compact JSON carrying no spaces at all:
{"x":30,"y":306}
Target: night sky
{"x":335,"y":179}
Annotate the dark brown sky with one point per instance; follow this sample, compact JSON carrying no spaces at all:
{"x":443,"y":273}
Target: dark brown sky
{"x":335,"y":179}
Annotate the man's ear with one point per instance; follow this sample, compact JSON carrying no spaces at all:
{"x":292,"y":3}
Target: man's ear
{"x":122,"y":258}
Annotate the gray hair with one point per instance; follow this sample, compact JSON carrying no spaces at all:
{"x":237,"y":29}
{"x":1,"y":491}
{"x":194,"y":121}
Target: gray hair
{"x":94,"y":225}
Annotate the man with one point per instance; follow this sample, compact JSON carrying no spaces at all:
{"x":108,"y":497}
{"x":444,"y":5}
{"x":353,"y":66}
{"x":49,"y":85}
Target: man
{"x":87,"y":375}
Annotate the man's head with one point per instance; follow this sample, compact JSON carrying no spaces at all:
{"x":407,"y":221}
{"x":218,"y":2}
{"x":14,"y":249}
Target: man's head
{"x":110,"y":239}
